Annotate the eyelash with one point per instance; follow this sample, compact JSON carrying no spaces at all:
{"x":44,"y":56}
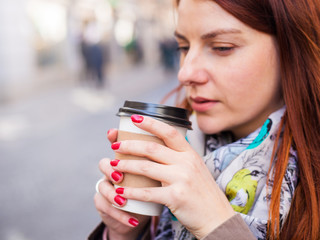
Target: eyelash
{"x":182,"y":49}
{"x":223,"y":49}
{"x":219,"y":49}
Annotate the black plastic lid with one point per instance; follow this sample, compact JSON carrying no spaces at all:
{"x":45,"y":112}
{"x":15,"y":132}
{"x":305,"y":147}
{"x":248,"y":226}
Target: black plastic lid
{"x":172,"y":115}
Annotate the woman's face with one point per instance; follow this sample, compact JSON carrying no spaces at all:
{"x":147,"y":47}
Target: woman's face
{"x":230,"y":71}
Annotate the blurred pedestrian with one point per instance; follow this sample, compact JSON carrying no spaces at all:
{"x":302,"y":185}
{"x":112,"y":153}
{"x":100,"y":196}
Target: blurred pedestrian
{"x":94,"y":52}
{"x":169,"y":54}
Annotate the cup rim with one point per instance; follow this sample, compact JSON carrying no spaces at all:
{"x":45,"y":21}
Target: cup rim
{"x":171,"y":115}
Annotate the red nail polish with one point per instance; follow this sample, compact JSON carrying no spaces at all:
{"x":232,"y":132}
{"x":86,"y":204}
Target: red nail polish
{"x":136,"y":118}
{"x":116,"y":176}
{"x":120,"y":190}
{"x":119,"y":200}
{"x":134,"y":222}
{"x":114,"y":162}
{"x":108,"y":131}
{"x":115,"y":146}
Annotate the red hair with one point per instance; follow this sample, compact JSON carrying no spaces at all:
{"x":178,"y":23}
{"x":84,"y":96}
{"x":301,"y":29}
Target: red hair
{"x":296,"y":27}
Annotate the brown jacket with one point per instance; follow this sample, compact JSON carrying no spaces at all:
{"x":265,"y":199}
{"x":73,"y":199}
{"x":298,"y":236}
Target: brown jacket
{"x":232,"y":229}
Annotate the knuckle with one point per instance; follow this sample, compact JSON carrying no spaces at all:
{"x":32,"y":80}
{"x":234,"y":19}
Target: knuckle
{"x":146,"y":195}
{"x":172,"y":133}
{"x":145,"y":167}
{"x":106,"y":190}
{"x":102,"y":189}
{"x":103,"y":160}
{"x":99,"y":204}
{"x":193,"y":162}
{"x":177,"y":195}
{"x":192,"y":165}
{"x":186,"y":177}
{"x":102,"y":164}
{"x":152,"y":147}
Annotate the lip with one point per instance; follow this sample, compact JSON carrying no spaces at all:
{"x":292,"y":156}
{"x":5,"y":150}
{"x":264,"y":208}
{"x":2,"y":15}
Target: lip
{"x":200,"y":104}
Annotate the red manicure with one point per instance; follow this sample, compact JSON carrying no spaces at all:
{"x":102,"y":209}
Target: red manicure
{"x":120,"y":190}
{"x":108,"y":131}
{"x":119,"y":200}
{"x":116,"y":176}
{"x":114,"y":162}
{"x":137,"y":118}
{"x":134,"y":222}
{"x":115,"y":146}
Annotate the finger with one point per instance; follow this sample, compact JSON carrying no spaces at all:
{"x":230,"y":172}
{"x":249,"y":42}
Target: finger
{"x":106,"y":168}
{"x":106,"y":189}
{"x":150,"y":169}
{"x":110,"y":214}
{"x":150,"y":194}
{"x":112,"y":135}
{"x":169,"y":134}
{"x":150,"y":150}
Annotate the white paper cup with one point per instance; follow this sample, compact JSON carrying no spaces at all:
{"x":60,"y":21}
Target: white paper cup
{"x":176,"y":117}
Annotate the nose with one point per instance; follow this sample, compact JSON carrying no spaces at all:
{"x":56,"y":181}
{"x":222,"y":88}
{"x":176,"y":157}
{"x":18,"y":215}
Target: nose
{"x":192,"y":70}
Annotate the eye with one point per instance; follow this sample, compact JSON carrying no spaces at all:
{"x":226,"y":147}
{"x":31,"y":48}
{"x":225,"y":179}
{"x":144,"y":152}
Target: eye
{"x":183,"y":49}
{"x":222,"y":49}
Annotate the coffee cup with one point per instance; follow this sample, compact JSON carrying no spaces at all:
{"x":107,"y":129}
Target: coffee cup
{"x":177,"y":117}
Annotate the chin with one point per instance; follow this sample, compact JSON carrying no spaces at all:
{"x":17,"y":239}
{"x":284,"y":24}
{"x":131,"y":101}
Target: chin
{"x":209,"y":131}
{"x":208,"y":126}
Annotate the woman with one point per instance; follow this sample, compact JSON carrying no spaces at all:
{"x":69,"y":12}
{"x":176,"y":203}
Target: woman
{"x":251,"y":73}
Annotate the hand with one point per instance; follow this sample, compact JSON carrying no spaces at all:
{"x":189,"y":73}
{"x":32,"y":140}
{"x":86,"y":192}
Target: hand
{"x":188,"y":188}
{"x":121,"y":225}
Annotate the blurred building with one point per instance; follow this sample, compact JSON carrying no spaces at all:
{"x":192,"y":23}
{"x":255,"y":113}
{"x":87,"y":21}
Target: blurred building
{"x":40,"y":40}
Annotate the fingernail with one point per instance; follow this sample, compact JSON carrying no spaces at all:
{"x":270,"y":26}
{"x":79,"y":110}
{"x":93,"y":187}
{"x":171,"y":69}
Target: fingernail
{"x":115,"y":146}
{"x":108,"y":131}
{"x":134,"y":222}
{"x":136,"y":118}
{"x":120,"y":190}
{"x":114,"y":162}
{"x":119,"y":200}
{"x":116,"y":176}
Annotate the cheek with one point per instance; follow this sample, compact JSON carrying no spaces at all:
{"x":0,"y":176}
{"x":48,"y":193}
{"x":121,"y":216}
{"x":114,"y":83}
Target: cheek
{"x":239,"y":84}
{"x":256,"y":76}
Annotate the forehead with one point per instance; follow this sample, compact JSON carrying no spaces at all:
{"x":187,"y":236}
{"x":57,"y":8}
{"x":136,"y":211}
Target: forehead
{"x":204,"y":15}
{"x":206,"y":9}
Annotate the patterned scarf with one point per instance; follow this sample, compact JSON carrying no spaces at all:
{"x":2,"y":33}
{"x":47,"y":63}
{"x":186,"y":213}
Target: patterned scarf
{"x":240,"y":169}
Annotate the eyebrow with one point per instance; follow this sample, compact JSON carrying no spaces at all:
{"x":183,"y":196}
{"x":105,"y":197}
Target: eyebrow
{"x":212,"y":34}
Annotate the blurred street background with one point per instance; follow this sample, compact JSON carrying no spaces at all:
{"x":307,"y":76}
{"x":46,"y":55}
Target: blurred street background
{"x":66,"y":66}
